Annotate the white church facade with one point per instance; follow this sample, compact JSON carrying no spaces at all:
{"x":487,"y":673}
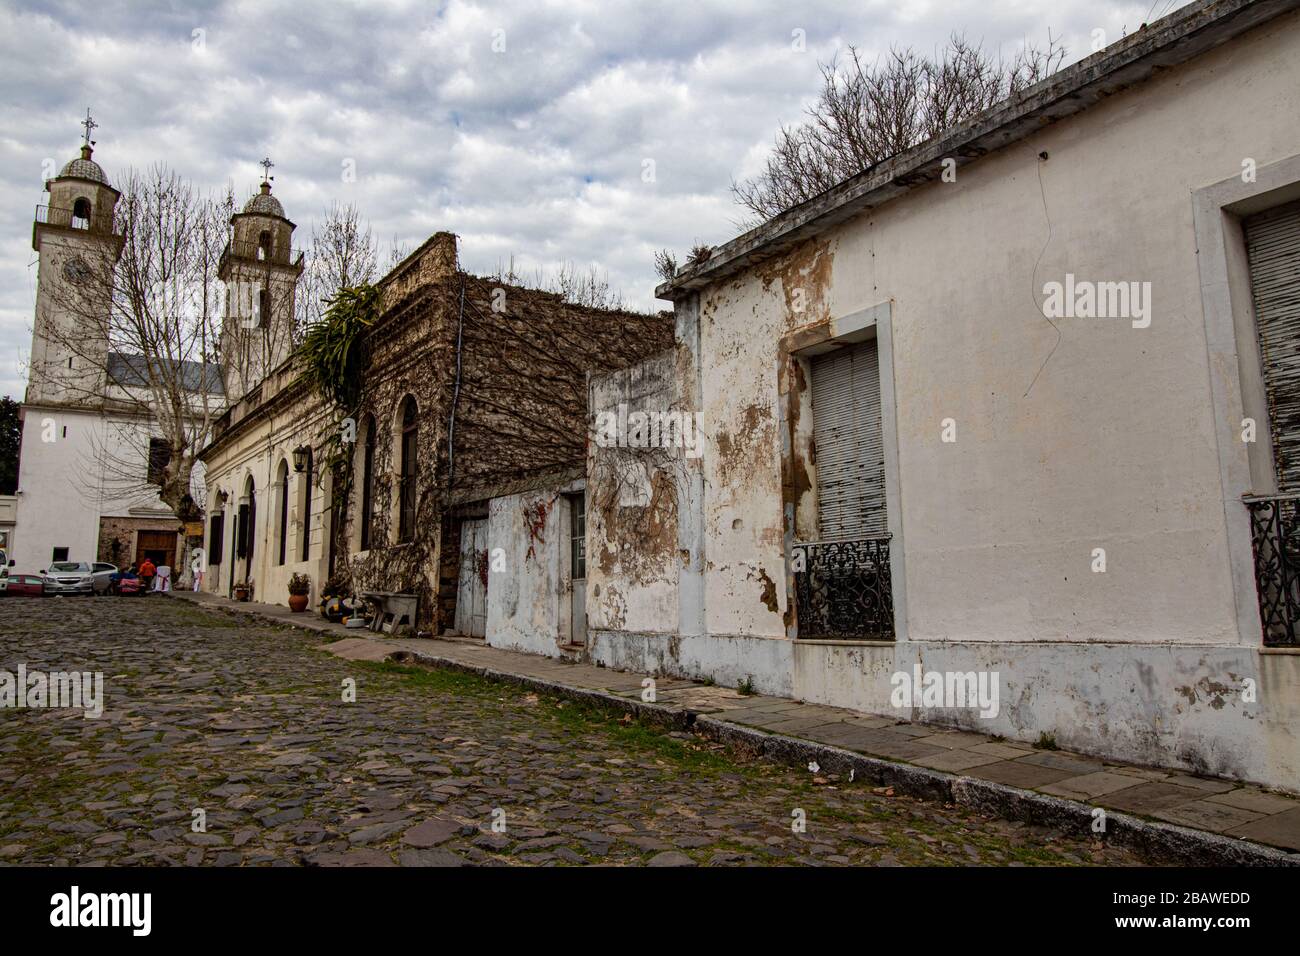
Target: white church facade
{"x":90,"y":445}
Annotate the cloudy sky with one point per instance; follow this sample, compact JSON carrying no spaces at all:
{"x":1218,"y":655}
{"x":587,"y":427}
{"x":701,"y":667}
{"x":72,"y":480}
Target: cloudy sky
{"x":521,"y":125}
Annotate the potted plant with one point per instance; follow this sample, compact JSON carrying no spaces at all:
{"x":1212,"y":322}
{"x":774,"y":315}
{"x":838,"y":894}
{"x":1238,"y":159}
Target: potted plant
{"x":299,"y":588}
{"x":241,"y":591}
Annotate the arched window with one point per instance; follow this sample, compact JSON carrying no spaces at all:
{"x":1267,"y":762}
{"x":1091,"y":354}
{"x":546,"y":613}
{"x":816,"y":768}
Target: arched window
{"x":81,"y":210}
{"x":406,"y":495}
{"x":304,"y":509}
{"x":282,"y":481}
{"x":246,"y":529}
{"x":264,"y":246}
{"x":367,"y":481}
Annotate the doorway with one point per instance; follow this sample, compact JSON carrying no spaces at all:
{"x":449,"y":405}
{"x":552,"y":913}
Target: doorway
{"x":578,"y":569}
{"x":158,"y":546}
{"x":472,"y":583}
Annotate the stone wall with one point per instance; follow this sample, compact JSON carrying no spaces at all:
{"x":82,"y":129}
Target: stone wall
{"x":117,"y":539}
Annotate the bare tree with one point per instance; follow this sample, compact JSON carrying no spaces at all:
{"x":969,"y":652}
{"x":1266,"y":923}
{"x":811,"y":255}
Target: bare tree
{"x":343,"y":253}
{"x":665,"y":264}
{"x":588,"y":287}
{"x":397,"y":251}
{"x":139,"y":319}
{"x":867,"y":112}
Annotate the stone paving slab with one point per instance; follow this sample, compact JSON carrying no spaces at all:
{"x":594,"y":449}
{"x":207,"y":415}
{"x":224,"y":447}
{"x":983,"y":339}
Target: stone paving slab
{"x":1204,"y":815}
{"x":1277,"y":829}
{"x":1200,"y":803}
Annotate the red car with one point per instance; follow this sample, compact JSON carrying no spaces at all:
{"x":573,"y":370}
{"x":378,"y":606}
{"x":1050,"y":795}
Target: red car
{"x":23,"y":585}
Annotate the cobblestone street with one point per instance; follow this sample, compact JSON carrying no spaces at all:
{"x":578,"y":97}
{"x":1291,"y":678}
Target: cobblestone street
{"x":249,"y":725}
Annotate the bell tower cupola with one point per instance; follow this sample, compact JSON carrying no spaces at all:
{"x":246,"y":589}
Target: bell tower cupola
{"x":260,"y":271}
{"x":78,"y":241}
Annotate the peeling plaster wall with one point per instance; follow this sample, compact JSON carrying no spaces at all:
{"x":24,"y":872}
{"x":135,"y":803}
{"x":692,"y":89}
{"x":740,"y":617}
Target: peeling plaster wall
{"x":528,"y":597}
{"x":1166,"y":705}
{"x":633,"y":561}
{"x":1099,"y":436}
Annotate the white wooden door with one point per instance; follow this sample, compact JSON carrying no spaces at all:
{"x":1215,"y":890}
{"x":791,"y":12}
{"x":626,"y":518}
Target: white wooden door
{"x":471,"y":591}
{"x":578,"y":569}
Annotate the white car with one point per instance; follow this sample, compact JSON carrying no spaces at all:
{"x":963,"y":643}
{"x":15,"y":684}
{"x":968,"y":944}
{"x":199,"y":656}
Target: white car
{"x":103,"y":575}
{"x":69,"y":577}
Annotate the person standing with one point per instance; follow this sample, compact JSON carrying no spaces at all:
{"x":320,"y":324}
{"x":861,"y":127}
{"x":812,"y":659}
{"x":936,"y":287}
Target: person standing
{"x":196,"y":569}
{"x":147,"y":571}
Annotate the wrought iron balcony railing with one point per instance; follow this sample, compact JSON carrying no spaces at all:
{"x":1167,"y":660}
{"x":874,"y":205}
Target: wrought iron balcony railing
{"x":1275,"y":539}
{"x":67,"y":219}
{"x":843,"y":590}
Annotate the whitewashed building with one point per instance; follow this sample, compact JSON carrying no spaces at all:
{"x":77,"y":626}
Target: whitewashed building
{"x":1020,"y":401}
{"x":78,"y":413}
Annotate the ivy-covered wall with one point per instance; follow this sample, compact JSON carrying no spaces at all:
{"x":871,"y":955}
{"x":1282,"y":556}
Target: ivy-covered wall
{"x":503,"y":371}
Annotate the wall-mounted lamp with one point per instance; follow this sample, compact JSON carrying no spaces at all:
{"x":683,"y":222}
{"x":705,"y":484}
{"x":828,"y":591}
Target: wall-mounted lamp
{"x":222,"y":497}
{"x":301,"y":455}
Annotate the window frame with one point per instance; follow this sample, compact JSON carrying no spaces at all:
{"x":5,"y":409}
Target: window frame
{"x":407,"y":465}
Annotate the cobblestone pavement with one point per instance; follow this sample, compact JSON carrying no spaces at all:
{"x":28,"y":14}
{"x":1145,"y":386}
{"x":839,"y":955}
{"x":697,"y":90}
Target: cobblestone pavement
{"x":248,"y":724}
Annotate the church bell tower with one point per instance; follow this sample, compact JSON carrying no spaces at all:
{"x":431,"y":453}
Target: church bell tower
{"x":260,"y":271}
{"x":78,"y":244}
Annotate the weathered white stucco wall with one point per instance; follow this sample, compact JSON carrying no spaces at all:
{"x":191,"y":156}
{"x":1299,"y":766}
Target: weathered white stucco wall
{"x":633,"y":564}
{"x":528,"y":572}
{"x":1073,"y":436}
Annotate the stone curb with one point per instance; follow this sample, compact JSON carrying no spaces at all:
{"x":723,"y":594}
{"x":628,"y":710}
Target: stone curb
{"x":1164,"y":842}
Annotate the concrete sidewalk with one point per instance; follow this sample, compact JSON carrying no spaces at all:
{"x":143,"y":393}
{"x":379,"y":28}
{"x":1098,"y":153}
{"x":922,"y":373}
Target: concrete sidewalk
{"x":1165,"y":813}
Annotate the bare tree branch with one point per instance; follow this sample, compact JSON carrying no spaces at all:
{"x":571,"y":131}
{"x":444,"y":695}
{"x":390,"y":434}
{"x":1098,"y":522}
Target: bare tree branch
{"x":867,"y":112}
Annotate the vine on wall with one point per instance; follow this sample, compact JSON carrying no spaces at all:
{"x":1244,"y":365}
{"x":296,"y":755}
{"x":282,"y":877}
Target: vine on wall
{"x":332,"y":357}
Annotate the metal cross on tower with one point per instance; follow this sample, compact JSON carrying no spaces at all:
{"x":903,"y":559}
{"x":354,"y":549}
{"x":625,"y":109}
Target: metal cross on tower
{"x":89,"y":124}
{"x":266,"y":165}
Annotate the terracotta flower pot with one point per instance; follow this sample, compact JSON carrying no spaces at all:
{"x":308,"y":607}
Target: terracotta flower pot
{"x":241,"y":593}
{"x":297,"y":603}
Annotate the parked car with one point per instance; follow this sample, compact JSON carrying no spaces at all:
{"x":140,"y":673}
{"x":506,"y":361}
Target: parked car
{"x":69,"y":577}
{"x":20,"y":584}
{"x":103,"y":575}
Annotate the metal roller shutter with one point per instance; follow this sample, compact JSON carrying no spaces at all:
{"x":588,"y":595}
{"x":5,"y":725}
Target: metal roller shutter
{"x":1273,"y":251}
{"x":850,"y":446}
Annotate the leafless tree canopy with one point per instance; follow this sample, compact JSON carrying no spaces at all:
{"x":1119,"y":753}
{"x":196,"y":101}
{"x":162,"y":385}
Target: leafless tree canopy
{"x":343,"y":253}
{"x":867,"y":112}
{"x":141,"y":328}
{"x":588,"y":287}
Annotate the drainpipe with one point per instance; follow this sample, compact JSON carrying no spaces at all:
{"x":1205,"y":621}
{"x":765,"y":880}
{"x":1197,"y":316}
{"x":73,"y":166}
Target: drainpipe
{"x":455,"y":395}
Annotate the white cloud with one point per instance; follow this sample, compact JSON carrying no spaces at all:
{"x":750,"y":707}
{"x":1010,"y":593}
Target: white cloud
{"x":535,"y":151}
